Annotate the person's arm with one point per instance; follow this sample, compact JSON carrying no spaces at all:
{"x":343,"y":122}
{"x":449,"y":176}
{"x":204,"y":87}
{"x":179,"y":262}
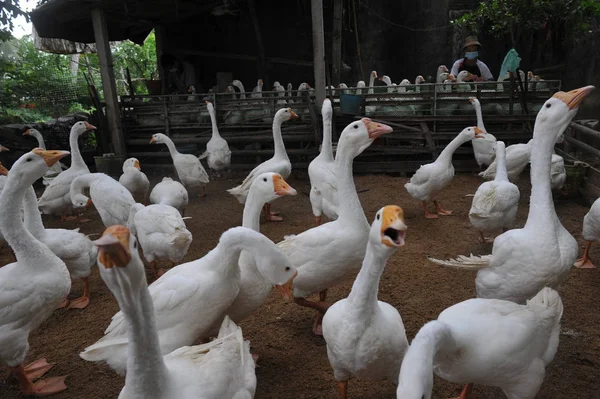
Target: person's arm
{"x":455,"y":66}
{"x":486,"y":74}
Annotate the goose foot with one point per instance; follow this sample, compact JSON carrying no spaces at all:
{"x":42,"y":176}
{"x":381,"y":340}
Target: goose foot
{"x":441,"y":211}
{"x":320,"y":307}
{"x":584,"y":262}
{"x":255,"y":358}
{"x":37,"y":369}
{"x":317,"y":327}
{"x":428,"y":215}
{"x":485,"y":239}
{"x":45,"y":387}
{"x":271,"y":216}
{"x":63,"y":304}
{"x":318,"y":220}
{"x":343,"y":389}
{"x":467,"y":392}
{"x":84,"y":300}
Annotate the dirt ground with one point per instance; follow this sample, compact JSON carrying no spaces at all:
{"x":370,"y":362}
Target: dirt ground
{"x":293,"y":362}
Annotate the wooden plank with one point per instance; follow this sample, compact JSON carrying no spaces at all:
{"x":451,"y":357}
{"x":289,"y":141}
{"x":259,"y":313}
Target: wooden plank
{"x":316,"y":7}
{"x":245,"y":57}
{"x":108,"y":82}
{"x":582,"y":146}
{"x":336,"y":44}
{"x":585,"y":130}
{"x":429,"y":139}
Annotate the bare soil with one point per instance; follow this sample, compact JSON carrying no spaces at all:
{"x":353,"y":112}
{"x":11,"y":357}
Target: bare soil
{"x":293,"y":362}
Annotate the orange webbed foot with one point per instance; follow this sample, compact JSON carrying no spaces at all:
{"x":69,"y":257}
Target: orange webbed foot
{"x":79,"y":303}
{"x":47,"y":387}
{"x":37,"y":369}
{"x":63,"y":304}
{"x":584,"y":263}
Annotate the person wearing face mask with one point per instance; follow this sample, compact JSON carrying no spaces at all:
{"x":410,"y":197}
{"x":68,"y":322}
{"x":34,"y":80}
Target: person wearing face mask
{"x":179,"y":74}
{"x":471,"y":61}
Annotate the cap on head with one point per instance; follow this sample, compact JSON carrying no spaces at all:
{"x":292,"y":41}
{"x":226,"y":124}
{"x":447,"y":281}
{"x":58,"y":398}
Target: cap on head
{"x":471,"y":41}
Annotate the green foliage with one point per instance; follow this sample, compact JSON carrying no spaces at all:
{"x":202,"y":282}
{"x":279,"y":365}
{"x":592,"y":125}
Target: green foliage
{"x":9,"y":10}
{"x":21,"y":115}
{"x":515,"y":18}
{"x":141,"y":61}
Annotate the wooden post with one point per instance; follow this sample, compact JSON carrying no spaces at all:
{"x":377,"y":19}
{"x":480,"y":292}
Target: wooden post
{"x":336,"y":47}
{"x":108,"y":81}
{"x":262,"y":65}
{"x":159,"y":36}
{"x":318,"y":49}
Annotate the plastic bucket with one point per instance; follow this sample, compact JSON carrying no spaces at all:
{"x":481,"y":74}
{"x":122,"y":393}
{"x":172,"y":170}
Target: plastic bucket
{"x":350,"y":104}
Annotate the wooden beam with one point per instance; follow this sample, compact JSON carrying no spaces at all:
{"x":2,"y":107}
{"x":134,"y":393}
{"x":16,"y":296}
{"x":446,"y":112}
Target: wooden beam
{"x":108,"y":82}
{"x":586,"y":130}
{"x":336,"y":46}
{"x":161,"y":42}
{"x":429,"y":139}
{"x":318,"y":49}
{"x":582,"y":146}
{"x":262,"y":62}
{"x":245,"y":57}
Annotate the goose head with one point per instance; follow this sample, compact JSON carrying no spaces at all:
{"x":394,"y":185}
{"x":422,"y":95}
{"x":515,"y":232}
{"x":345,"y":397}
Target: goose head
{"x":290,"y":86}
{"x":442,"y":76}
{"x":386,"y":79}
{"x":361,"y":83}
{"x":450,"y":79}
{"x":210,"y":107}
{"x":342,"y":86}
{"x":373,"y":75}
{"x":237,"y":83}
{"x":119,"y":262}
{"x":82,"y":127}
{"x":32,"y":165}
{"x":303,"y":86}
{"x":327,"y":109}
{"x":192,"y":89}
{"x":229,"y":90}
{"x":441,"y":69}
{"x":474,"y":101}
{"x":285,"y":114}
{"x":32,"y":132}
{"x":270,"y":186}
{"x":419,"y":80}
{"x":472,"y":132}
{"x":560,"y":109}
{"x":404,"y":82}
{"x":131,"y":163}
{"x":464,"y":76}
{"x":530,"y":75}
{"x":81,"y":201}
{"x":3,"y":170}
{"x":3,"y":148}
{"x":259,"y":83}
{"x":159,"y":138}
{"x":359,"y":135}
{"x":388,"y":229}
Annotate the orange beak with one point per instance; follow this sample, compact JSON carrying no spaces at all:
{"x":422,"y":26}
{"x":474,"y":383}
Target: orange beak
{"x":3,"y":149}
{"x":136,"y":165}
{"x":113,"y":247}
{"x":376,"y":129}
{"x":152,"y":141}
{"x":471,"y":100}
{"x":51,"y":157}
{"x":287,"y":289}
{"x":27,"y":132}
{"x":281,"y":187}
{"x":89,"y":126}
{"x":293,"y":115}
{"x":89,"y":203}
{"x":393,"y":229}
{"x":574,"y":98}
{"x":3,"y":170}
{"x":479,"y":133}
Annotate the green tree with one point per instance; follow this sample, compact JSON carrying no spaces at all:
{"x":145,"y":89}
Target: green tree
{"x":9,"y":10}
{"x":546,"y":27}
{"x":141,"y":61}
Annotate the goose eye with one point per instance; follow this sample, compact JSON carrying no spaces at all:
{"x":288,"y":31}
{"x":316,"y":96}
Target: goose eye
{"x":135,"y":244}
{"x":264,"y":179}
{"x":356,"y":126}
{"x":548,"y":105}
{"x":378,"y":216}
{"x":287,"y":268}
{"x":28,"y":159}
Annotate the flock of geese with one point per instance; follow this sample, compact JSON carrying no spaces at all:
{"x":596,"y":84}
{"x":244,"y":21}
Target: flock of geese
{"x":151,"y":340}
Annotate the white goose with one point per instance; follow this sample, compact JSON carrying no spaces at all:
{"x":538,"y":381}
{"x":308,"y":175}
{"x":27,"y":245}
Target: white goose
{"x":56,"y":198}
{"x":333,"y":252}
{"x":72,"y":247}
{"x":430,"y":179}
{"x":161,"y":232}
{"x":189,"y":168}
{"x":517,"y":158}
{"x":558,"y":173}
{"x":57,"y":168}
{"x":496,"y":202}
{"x":321,"y":172}
{"x":190,"y":298}
{"x":257,"y":91}
{"x":365,"y":337}
{"x":217,"y":149}
{"x":3,"y":174}
{"x":33,"y":286}
{"x":220,"y":369}
{"x":591,"y":234}
{"x":488,"y":342}
{"x":111,"y":199}
{"x":170,"y":192}
{"x":541,"y":254}
{"x":484,"y":149}
{"x":134,"y":180}
{"x":279,"y":163}
{"x":254,"y":286}
{"x":240,"y":86}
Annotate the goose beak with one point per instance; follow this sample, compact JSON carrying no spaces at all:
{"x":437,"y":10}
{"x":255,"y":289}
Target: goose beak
{"x":479,"y":133}
{"x":89,"y":203}
{"x":471,"y":100}
{"x":3,"y":149}
{"x":27,"y":132}
{"x":281,"y":187}
{"x":393,"y":229}
{"x":287,"y":289}
{"x":113,"y":247}
{"x":293,"y":115}
{"x":574,"y":98}
{"x":207,"y":102}
{"x":376,"y":129}
{"x":136,"y":165}
{"x":89,"y":126}
{"x":51,"y":157}
{"x":152,"y":140}
{"x":3,"y":170}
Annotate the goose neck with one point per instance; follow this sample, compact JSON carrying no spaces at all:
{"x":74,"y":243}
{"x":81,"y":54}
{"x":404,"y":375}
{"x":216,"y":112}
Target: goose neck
{"x":326,"y":145}
{"x":350,"y":207}
{"x":501,"y":172}
{"x":40,"y":140}
{"x":363,"y":295}
{"x":448,"y":152}
{"x":33,"y":218}
{"x":76,"y":158}
{"x":171,"y":146}
{"x":252,"y":209}
{"x":479,"y":116}
{"x":213,"y":120}
{"x":278,"y":140}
